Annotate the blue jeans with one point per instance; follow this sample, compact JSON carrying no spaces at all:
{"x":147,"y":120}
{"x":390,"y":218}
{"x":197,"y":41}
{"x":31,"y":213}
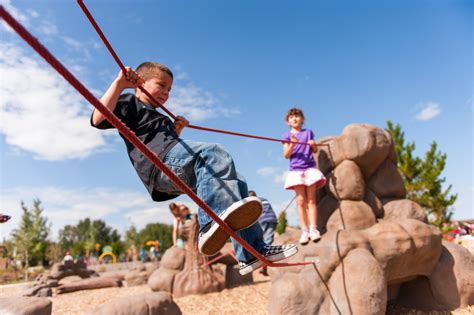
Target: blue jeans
{"x":268,"y":231}
{"x":210,"y":172}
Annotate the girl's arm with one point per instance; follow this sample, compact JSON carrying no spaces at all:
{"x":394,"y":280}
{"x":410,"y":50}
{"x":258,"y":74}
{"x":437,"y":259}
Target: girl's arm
{"x":288,"y":147}
{"x":314,"y":147}
{"x":312,"y":143}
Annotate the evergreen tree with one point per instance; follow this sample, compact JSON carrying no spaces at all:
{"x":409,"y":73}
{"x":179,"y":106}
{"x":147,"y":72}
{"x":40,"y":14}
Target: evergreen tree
{"x":422,"y":177}
{"x":31,"y":237}
{"x":282,"y":223}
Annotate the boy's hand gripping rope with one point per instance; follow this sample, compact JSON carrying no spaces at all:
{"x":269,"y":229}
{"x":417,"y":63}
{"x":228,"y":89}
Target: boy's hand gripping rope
{"x":122,"y":67}
{"x":127,"y":133}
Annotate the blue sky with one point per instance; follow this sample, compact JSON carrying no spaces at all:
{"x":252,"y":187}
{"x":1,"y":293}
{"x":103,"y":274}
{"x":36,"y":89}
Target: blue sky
{"x":239,"y":65}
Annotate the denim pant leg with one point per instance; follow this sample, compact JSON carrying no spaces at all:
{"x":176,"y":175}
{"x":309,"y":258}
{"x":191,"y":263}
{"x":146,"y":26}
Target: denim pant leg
{"x":268,"y":231}
{"x":209,"y":171}
{"x":252,"y":235}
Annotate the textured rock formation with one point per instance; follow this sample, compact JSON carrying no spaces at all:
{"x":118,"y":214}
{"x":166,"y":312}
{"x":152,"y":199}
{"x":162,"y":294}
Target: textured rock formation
{"x":197,"y":277}
{"x":155,"y":303}
{"x":377,"y":246}
{"x":140,"y":274}
{"x":184,"y":272}
{"x":171,"y":263}
{"x":25,"y":306}
{"x":46,"y":281}
{"x":88,"y":284}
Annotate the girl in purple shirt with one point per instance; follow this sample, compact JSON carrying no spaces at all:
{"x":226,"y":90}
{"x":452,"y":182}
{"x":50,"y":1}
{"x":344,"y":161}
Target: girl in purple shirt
{"x":304,"y":178}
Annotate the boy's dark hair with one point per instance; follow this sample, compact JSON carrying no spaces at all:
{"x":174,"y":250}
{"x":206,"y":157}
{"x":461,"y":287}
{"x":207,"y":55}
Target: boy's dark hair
{"x":294,"y":111}
{"x":149,"y":69}
{"x":252,"y":193}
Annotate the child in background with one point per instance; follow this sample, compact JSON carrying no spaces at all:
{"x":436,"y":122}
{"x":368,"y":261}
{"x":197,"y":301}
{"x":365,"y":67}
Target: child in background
{"x":304,"y":178}
{"x":181,"y":214}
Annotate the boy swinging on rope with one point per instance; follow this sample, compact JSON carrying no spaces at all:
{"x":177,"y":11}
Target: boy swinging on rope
{"x":206,"y":168}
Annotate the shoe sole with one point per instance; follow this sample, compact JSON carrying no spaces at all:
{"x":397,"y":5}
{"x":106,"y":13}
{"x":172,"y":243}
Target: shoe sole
{"x":304,"y":243}
{"x":238,"y":216}
{"x":272,"y":258}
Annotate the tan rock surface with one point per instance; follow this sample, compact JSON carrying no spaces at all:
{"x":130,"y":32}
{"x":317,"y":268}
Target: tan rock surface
{"x":247,"y":299}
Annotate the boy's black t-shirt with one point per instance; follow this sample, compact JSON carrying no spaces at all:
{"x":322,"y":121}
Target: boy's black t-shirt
{"x":156,"y":130}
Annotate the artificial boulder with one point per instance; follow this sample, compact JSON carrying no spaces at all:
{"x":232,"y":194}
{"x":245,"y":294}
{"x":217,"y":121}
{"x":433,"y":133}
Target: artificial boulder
{"x":185,"y":271}
{"x":140,"y":274}
{"x":88,"y":284}
{"x":349,"y":260}
{"x":361,"y":167}
{"x":376,"y":248}
{"x":25,"y":306}
{"x":171,"y":263}
{"x":197,"y":277}
{"x":155,"y":303}
{"x":47,"y":280}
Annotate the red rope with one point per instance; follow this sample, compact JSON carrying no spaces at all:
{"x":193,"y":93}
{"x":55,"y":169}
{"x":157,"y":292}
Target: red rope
{"x":126,"y":132}
{"x":230,"y":253}
{"x":120,"y":64}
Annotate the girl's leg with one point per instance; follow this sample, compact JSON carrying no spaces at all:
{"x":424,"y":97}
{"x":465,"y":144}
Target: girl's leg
{"x":312,"y":206}
{"x":312,"y":213}
{"x":301,"y":202}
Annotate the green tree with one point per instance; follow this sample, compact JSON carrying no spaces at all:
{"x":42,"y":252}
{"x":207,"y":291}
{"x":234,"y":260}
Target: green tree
{"x":422,"y":177}
{"x":54,"y":252}
{"x":157,"y":231}
{"x":132,"y":237}
{"x":81,"y":239}
{"x":31,"y":238}
{"x":282,"y":223}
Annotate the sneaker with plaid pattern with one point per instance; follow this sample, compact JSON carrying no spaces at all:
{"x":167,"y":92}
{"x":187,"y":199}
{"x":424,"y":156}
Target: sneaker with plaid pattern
{"x":271,"y":253}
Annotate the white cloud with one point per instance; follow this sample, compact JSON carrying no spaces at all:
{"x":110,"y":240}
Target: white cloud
{"x":40,"y":113}
{"x":429,"y":111}
{"x":179,"y":73}
{"x":280,"y":179}
{"x":267,"y":170}
{"x":22,"y":18}
{"x":68,"y":206}
{"x":33,"y":13}
{"x":72,"y":42}
{"x":159,"y":212}
{"x":279,"y":175}
{"x":196,"y":104}
{"x":48,"y":28}
{"x":43,"y":26}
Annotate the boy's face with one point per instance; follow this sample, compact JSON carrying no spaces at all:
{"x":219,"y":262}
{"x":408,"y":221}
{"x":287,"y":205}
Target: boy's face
{"x":295,"y":121}
{"x":159,"y":86}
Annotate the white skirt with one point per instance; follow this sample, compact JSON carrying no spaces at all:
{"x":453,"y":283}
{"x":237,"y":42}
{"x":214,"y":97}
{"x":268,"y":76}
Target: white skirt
{"x":305,"y":178}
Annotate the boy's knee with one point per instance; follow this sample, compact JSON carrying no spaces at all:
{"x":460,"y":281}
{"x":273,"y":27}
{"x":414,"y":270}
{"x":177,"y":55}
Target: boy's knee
{"x":219,"y":150}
